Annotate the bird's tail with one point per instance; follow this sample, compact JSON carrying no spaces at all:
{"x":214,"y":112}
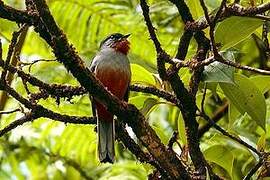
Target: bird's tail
{"x":106,"y":138}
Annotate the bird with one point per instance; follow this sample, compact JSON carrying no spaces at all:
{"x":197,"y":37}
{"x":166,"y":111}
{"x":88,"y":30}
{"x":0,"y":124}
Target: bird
{"x":112,"y":68}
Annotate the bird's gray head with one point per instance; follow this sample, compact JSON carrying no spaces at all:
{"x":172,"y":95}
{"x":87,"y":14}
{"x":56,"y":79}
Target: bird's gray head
{"x":116,"y":41}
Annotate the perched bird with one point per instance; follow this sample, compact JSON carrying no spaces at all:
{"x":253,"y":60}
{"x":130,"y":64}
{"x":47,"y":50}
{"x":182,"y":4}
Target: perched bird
{"x":111,"y":66}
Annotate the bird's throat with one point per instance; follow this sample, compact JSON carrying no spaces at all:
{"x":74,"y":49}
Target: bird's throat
{"x":122,"y":46}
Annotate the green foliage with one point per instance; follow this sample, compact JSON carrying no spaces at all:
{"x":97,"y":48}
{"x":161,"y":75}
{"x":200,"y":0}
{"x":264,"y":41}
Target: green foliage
{"x":234,"y":30}
{"x":221,"y":156}
{"x":52,"y":150}
{"x":218,"y":72}
{"x":245,"y":96}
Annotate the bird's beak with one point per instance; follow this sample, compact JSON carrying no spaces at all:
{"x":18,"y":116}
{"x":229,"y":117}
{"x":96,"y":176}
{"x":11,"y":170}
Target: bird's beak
{"x":126,"y":36}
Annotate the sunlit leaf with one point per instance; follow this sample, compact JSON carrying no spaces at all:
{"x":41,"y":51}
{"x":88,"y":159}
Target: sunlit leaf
{"x":261,"y":143}
{"x":262,"y":82}
{"x":220,"y":155}
{"x":234,"y":30}
{"x":246,"y":96}
{"x":141,"y":75}
{"x":181,"y":130}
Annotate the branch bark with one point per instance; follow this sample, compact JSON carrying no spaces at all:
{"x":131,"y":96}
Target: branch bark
{"x":9,"y":76}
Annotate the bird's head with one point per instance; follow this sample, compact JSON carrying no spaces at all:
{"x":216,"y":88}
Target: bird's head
{"x":116,"y":41}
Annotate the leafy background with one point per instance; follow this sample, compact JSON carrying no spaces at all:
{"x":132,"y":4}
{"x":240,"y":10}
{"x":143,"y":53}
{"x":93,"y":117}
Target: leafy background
{"x":46,"y":149}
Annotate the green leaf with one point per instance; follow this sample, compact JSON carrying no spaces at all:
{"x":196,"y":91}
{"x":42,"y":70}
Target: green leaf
{"x":181,"y":129}
{"x":262,"y":82}
{"x":138,"y":101}
{"x":247,"y":98}
{"x":233,"y":114}
{"x":141,"y":75}
{"x":196,"y":8}
{"x":144,"y":103}
{"x":148,"y":105}
{"x":221,"y":156}
{"x":219,"y":72}
{"x":261,"y":144}
{"x":234,"y":30}
{"x":163,"y":135}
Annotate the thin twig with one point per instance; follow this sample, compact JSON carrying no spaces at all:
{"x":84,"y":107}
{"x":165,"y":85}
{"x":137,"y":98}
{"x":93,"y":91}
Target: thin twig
{"x":218,"y":114}
{"x":231,"y":63}
{"x":231,"y":10}
{"x":212,"y":24}
{"x":173,"y":139}
{"x":157,"y":92}
{"x":150,"y":27}
{"x":30,"y":64}
{"x":206,"y":117}
{"x":203,"y":98}
{"x":10,"y":112}
{"x":224,"y":132}
{"x":263,"y":17}
{"x":254,"y":170}
{"x":1,"y":51}
{"x":28,"y":117}
{"x":11,"y":47}
{"x":243,"y":67}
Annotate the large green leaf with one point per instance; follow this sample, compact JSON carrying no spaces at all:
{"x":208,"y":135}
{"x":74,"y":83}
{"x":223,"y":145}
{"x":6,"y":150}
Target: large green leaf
{"x":141,"y":75}
{"x":219,"y":72}
{"x":247,"y":98}
{"x":234,"y":30}
{"x":233,"y":114}
{"x":144,"y":103}
{"x":220,"y":155}
{"x":262,"y":82}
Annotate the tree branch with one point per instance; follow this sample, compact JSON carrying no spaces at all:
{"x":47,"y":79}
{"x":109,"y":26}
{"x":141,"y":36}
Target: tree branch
{"x":28,"y":117}
{"x":254,"y":170}
{"x":13,"y":51}
{"x":232,"y":10}
{"x":188,"y":107}
{"x":216,"y":117}
{"x":9,"y":112}
{"x":15,"y":15}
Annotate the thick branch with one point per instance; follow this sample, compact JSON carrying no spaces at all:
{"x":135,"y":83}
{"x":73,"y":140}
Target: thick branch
{"x":183,"y":45}
{"x":188,"y":106}
{"x":183,"y":10}
{"x":15,"y":15}
{"x":188,"y":113}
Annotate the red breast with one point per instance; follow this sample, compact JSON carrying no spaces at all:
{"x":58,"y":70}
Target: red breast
{"x":116,"y":82}
{"x":122,"y":46}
